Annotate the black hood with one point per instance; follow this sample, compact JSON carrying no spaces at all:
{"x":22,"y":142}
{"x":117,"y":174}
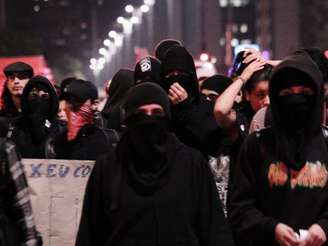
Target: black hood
{"x":178,"y":58}
{"x":163,"y":46}
{"x":44,"y":82}
{"x":297,"y":117}
{"x":299,"y":66}
{"x":122,"y":81}
{"x":143,"y":94}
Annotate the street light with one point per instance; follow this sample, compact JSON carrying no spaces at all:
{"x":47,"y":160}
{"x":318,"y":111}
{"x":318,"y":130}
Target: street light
{"x":204,"y":57}
{"x":107,"y":42}
{"x":134,"y":20}
{"x":112,"y":34}
{"x":102,"y":51}
{"x":144,"y":8}
{"x":149,"y":2}
{"x":120,"y":20}
{"x":93,"y":60}
{"x":129,"y":8}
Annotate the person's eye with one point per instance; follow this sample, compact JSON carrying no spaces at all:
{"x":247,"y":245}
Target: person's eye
{"x":158,"y":112}
{"x":307,"y":92}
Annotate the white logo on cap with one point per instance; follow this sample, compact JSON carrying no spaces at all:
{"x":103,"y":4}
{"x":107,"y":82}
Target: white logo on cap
{"x":145,"y":65}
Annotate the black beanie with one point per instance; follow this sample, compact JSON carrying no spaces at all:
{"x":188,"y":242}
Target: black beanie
{"x":148,"y":69}
{"x":163,"y":46}
{"x":218,"y":83}
{"x":18,"y":67}
{"x":143,"y":94}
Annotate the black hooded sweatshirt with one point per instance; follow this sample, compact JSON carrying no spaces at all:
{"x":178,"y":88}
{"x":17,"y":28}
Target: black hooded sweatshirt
{"x":31,"y":131}
{"x":276,"y":179}
{"x":193,"y":121}
{"x":151,"y":190}
{"x":122,"y":81}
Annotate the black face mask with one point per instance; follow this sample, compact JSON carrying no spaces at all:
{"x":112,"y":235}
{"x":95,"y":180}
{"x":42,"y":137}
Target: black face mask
{"x":143,"y":150}
{"x":147,"y":136}
{"x":296,"y":111}
{"x":184,"y":80}
{"x":39,"y":105}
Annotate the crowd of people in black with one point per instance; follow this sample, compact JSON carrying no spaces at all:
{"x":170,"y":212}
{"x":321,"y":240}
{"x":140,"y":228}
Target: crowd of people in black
{"x":222,"y":160}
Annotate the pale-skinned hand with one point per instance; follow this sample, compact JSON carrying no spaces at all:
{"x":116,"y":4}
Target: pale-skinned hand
{"x":251,"y":68}
{"x":177,"y":93}
{"x":315,"y":237}
{"x":285,"y":235}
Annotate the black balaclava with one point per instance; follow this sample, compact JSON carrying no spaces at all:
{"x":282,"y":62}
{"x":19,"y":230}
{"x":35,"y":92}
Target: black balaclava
{"x":144,"y":146}
{"x":163,"y":46}
{"x":147,"y":69}
{"x":122,"y":81}
{"x":218,"y":83}
{"x":39,"y":112}
{"x":178,"y":59}
{"x":296,"y":117}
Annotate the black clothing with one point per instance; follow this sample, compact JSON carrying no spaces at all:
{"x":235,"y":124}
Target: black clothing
{"x":163,"y":46}
{"x":38,"y":122}
{"x":139,"y":96}
{"x":184,"y":211}
{"x":78,"y":88}
{"x":244,"y":115}
{"x":122,"y":81}
{"x":45,"y":84}
{"x":194,"y":124}
{"x":148,"y":69}
{"x":178,"y":59}
{"x":296,"y":118}
{"x":9,"y":109}
{"x":89,"y":144}
{"x":218,"y":83}
{"x":282,"y":173}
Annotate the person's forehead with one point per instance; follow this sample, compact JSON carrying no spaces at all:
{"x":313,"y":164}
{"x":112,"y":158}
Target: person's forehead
{"x":261,"y":86}
{"x":207,"y":91}
{"x":150,"y":106}
{"x":299,"y":87}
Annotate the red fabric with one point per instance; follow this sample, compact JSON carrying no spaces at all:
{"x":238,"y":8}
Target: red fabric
{"x":77,"y":120}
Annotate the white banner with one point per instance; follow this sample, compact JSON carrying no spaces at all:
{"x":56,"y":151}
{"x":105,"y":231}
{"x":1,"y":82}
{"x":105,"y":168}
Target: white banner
{"x":57,"y":191}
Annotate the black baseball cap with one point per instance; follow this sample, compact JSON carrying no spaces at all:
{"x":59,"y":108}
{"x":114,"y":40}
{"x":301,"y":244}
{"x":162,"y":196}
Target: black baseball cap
{"x":81,"y":89}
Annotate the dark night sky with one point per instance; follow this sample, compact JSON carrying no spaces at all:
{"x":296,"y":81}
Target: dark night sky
{"x":61,"y":28}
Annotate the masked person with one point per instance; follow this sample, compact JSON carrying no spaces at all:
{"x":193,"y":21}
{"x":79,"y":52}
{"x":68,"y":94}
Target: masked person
{"x":263,"y":118}
{"x":193,"y":120}
{"x":17,"y":225}
{"x":17,"y":75}
{"x":147,"y":69}
{"x":282,"y":170}
{"x":213,"y":87}
{"x":38,"y":122}
{"x":163,"y":46}
{"x":228,"y":142}
{"x":169,"y":193}
{"x":112,"y":112}
{"x":83,"y":140}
